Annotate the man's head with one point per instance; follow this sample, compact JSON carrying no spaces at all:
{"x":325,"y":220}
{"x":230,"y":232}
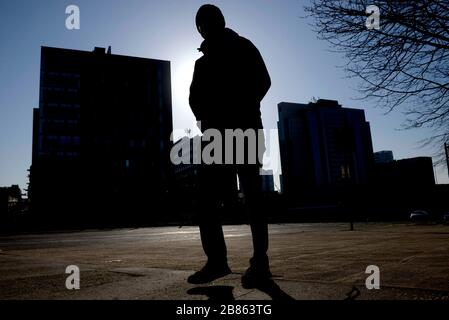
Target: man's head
{"x":210,"y":21}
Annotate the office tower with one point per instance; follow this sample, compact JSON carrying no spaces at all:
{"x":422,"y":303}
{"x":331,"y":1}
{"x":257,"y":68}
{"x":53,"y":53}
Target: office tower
{"x":101,"y":136}
{"x":323,"y":145}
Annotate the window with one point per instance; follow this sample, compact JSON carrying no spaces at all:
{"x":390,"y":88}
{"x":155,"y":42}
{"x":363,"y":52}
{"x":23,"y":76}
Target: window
{"x":345,"y":172}
{"x":76,"y":140}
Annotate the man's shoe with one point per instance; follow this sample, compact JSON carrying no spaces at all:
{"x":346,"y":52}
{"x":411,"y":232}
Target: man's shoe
{"x":208,"y":274}
{"x":256,"y":275}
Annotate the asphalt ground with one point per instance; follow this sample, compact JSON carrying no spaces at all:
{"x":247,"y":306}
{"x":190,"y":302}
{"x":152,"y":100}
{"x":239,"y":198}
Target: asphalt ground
{"x":308,"y":261}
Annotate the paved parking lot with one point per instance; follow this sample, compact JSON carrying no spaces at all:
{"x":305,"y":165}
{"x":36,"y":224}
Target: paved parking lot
{"x":309,"y":261}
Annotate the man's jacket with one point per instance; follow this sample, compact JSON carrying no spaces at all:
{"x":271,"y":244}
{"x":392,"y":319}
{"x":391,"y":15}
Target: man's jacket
{"x":229,"y":82}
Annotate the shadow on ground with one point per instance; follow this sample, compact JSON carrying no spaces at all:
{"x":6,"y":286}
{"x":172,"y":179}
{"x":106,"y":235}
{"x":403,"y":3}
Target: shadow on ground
{"x":225,"y":293}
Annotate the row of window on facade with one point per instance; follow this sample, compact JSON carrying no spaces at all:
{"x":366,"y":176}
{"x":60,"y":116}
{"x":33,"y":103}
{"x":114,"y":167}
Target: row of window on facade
{"x":62,"y":74}
{"x":59,"y":154}
{"x":59,"y":89}
{"x":137,"y":143}
{"x":63,"y":105}
{"x":61,"y":122}
{"x":60,"y":80}
{"x":132,"y":143}
{"x":65,"y":140}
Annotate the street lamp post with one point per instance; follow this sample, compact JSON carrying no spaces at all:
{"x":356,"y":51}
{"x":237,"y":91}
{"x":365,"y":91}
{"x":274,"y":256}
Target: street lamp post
{"x":446,"y":149}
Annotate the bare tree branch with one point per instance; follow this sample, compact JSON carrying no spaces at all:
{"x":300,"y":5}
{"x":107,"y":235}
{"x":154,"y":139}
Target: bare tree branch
{"x":404,"y":64}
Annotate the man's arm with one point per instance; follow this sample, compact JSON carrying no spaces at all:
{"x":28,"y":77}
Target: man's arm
{"x":261,"y":81}
{"x":195,"y":94}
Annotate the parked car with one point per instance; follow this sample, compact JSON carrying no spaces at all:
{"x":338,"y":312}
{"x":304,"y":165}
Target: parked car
{"x":419,"y":216}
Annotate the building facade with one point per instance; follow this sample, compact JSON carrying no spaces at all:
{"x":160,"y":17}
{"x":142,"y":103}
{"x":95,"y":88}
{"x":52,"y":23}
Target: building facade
{"x":323,"y":145}
{"x":384,"y":156}
{"x":101,"y":134}
{"x":10,"y":201}
{"x":414,"y":173}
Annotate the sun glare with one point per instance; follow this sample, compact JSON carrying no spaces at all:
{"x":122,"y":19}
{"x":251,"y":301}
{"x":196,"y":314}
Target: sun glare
{"x":182,"y":73}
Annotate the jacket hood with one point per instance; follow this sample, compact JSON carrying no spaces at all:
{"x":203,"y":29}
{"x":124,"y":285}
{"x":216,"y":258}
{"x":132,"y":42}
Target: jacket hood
{"x":210,"y":45}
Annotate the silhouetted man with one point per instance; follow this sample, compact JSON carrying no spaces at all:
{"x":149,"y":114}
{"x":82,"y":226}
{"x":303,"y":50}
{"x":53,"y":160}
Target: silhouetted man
{"x":229,"y":82}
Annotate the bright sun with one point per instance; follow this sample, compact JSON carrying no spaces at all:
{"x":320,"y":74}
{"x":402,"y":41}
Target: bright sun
{"x":182,"y":73}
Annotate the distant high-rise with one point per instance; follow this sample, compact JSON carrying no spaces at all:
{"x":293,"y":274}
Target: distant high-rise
{"x":10,"y":201}
{"x":267,"y":181}
{"x":384,"y":156}
{"x":101,"y":136}
{"x":406,"y":173}
{"x":186,"y":173}
{"x":323,"y":145}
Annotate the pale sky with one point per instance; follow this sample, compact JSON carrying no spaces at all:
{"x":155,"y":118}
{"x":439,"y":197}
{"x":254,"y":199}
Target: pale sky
{"x":301,"y":66}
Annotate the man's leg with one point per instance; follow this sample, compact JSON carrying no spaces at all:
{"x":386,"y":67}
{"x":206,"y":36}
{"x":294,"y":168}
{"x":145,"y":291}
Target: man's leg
{"x":251,"y":182}
{"x":211,"y":184}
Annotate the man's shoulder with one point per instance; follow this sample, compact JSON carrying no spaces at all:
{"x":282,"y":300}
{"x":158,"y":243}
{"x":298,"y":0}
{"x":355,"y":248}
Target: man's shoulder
{"x":245,"y":41}
{"x":246,"y":44}
{"x":199,"y":61}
